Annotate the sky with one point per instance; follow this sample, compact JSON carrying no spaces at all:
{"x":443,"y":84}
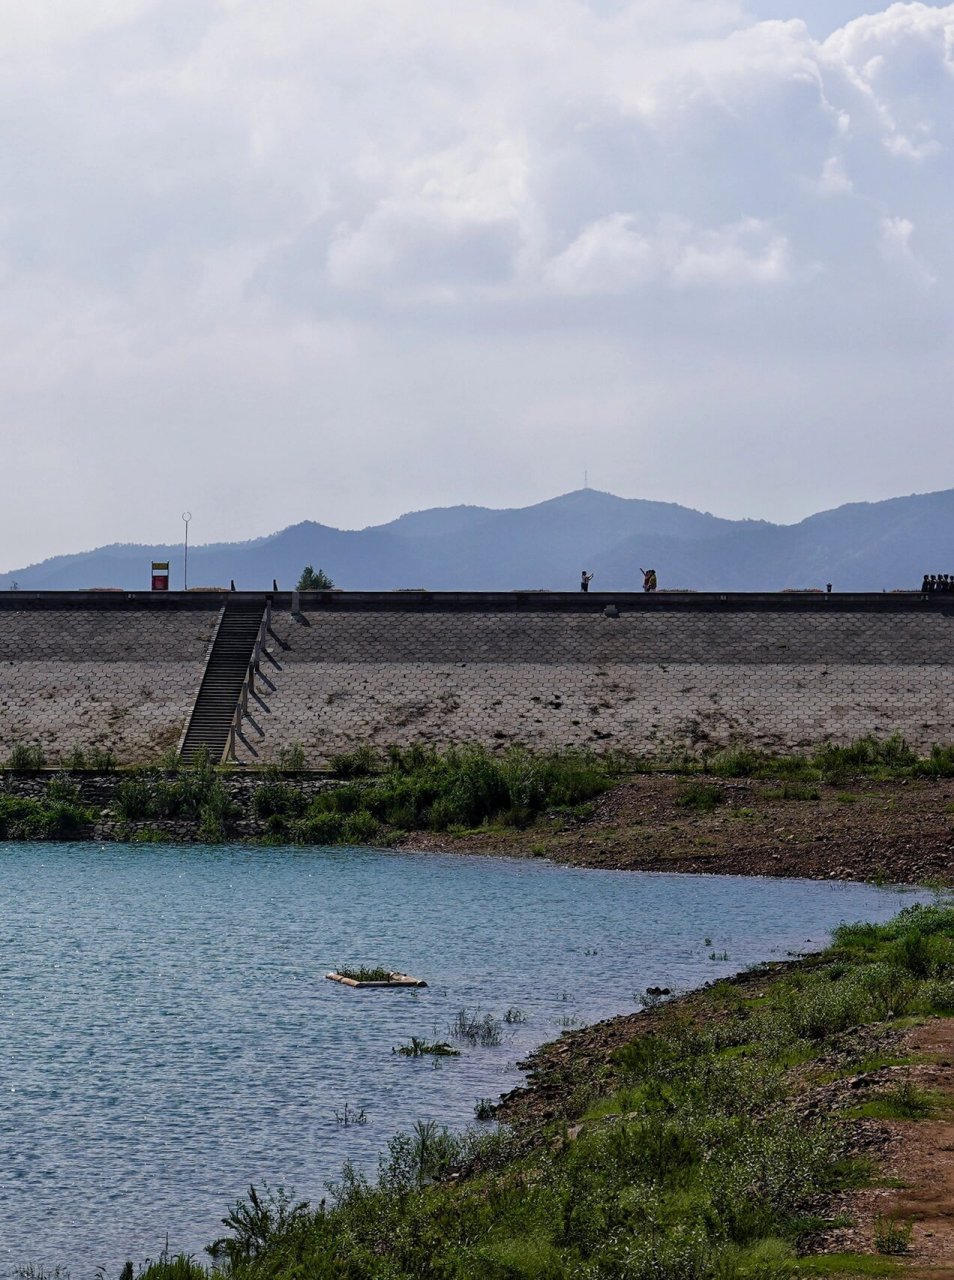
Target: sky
{"x":338,"y":261}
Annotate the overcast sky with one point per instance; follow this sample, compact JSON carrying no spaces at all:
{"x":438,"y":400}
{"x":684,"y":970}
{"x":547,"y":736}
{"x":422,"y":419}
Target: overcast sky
{"x":337,"y":261}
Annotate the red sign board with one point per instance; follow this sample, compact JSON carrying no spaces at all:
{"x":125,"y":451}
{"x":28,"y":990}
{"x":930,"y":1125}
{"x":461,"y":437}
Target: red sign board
{"x":160,"y":575}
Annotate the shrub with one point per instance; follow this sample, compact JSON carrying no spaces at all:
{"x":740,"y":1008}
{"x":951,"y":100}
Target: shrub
{"x":256,"y":1223}
{"x":892,"y":1236}
{"x":100,"y":760}
{"x":939,"y":764}
{"x":59,"y":790}
{"x":864,"y":755}
{"x":133,"y":801}
{"x":319,"y":828}
{"x":95,"y":760}
{"x":196,"y":792}
{"x":467,"y":787}
{"x":25,"y":757}
{"x":273,"y":797}
{"x":922,"y":955}
{"x":75,"y":760}
{"x":291,"y":759}
{"x":359,"y":828}
{"x":25,"y":819}
{"x":360,"y":763}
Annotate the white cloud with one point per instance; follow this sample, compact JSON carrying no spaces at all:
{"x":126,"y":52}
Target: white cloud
{"x":609,"y":256}
{"x":744,"y":254}
{"x":222,"y":221}
{"x":896,"y":235}
{"x":612,"y":256}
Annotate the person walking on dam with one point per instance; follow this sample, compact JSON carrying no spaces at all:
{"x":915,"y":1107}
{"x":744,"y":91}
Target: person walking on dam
{"x":585,"y":580}
{"x":649,"y":579}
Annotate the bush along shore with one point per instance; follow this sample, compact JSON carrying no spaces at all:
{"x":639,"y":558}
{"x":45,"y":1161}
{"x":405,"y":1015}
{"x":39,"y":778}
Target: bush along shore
{"x":872,"y":810}
{"x":744,"y":1132}
{"x":364,"y":799}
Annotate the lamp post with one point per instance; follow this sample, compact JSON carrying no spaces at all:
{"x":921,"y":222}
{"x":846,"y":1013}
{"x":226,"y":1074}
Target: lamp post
{"x":186,"y":516}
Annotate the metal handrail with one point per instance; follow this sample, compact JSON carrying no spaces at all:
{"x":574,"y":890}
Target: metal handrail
{"x":248,"y":685}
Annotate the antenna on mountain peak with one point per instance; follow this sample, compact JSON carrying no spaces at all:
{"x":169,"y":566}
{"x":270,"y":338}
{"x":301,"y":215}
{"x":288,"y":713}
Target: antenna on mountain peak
{"x":586,"y":479}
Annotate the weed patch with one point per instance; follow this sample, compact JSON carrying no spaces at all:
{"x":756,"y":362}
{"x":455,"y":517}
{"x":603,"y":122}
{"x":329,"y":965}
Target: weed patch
{"x":701,"y":796}
{"x":416,"y":1048}
{"x":476,"y":1028}
{"x":905,"y":1102}
{"x":364,"y":973}
{"x":25,"y":757}
{"x":892,"y":1235}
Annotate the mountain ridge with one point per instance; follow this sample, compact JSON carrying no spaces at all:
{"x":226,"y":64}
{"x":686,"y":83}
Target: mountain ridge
{"x":860,"y":546}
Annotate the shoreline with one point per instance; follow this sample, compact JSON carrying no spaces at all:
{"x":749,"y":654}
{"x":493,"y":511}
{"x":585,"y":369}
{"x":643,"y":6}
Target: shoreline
{"x":762,"y":1059}
{"x":895,"y":831}
{"x":860,"y":829}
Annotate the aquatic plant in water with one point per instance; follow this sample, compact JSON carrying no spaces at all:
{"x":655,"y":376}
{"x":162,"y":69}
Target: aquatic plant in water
{"x":476,"y":1028}
{"x":418,"y":1048}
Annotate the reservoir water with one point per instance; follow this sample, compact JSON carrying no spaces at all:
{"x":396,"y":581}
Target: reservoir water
{"x":167,"y":1035}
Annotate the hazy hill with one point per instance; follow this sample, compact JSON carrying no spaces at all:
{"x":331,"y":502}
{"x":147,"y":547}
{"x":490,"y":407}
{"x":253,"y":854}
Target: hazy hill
{"x":858,"y":547}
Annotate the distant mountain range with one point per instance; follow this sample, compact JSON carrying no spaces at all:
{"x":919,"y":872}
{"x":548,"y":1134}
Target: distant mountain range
{"x":859,"y":547}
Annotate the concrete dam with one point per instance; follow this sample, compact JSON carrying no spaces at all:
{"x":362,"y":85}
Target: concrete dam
{"x":247,"y":675}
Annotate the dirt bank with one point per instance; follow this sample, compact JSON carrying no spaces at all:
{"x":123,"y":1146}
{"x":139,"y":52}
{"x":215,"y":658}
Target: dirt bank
{"x":899,"y":831}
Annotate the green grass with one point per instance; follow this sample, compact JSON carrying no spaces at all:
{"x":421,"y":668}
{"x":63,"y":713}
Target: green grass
{"x":792,"y":791}
{"x":847,"y":1265}
{"x":866,"y":757}
{"x":905,"y":1102}
{"x":702,"y":797}
{"x":872,"y":1062}
{"x":474,"y":1027}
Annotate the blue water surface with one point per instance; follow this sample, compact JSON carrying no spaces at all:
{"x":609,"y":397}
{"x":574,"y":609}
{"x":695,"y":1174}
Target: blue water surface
{"x":167,"y":1036}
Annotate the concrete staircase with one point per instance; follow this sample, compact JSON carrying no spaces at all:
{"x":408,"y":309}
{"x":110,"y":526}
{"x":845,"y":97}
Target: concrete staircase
{"x":222,"y":682}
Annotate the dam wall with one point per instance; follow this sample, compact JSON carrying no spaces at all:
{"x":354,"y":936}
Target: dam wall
{"x":78,"y":671}
{"x":548,"y":670}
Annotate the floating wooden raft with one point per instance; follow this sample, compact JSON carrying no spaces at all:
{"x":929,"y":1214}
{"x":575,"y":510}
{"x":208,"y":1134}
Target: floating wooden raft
{"x":394,"y":980}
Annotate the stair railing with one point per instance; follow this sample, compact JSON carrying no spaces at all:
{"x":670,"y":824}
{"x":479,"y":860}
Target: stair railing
{"x":248,"y":685}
